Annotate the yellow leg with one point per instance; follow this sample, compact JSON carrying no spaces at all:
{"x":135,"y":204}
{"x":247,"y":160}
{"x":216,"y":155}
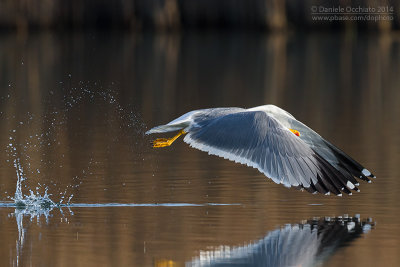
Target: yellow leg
{"x":163,"y":142}
{"x":295,"y":132}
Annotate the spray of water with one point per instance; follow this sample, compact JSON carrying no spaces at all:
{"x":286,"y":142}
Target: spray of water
{"x":35,"y":203}
{"x":18,"y":151}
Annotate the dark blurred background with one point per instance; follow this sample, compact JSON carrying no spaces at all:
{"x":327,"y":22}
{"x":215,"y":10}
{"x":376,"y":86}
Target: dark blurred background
{"x":184,"y":14}
{"x":157,"y":59}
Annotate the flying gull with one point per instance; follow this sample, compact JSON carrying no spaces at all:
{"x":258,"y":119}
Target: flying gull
{"x":271,"y":140}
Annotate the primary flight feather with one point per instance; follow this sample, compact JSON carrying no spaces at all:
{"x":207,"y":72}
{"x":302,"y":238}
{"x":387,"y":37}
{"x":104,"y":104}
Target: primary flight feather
{"x":273,"y":141}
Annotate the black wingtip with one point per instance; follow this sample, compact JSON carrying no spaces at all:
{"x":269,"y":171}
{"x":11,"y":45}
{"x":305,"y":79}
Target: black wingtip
{"x":364,"y":178}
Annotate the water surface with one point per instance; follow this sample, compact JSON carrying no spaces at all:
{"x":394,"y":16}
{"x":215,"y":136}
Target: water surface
{"x":74,"y":109}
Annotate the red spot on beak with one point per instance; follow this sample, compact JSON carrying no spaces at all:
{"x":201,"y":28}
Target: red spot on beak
{"x":295,"y":132}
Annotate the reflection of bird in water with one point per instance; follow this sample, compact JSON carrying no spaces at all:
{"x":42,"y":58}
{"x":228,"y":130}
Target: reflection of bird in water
{"x":306,"y":244}
{"x":271,"y":140}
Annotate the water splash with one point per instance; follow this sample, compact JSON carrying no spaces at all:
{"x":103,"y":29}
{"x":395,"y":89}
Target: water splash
{"x":34,"y":202}
{"x":20,"y":178}
{"x":33,"y":206}
{"x":29,"y":144}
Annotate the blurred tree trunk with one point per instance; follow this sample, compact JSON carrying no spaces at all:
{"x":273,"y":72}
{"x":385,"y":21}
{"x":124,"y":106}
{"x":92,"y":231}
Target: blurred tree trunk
{"x":177,"y":14}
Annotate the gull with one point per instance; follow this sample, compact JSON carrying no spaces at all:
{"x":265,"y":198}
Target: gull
{"x":271,"y":140}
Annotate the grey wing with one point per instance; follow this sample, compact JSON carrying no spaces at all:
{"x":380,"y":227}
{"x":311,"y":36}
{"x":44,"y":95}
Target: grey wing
{"x":258,"y":140}
{"x":336,"y":157}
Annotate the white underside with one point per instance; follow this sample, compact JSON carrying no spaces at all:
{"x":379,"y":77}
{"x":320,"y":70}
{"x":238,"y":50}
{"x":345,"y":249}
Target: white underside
{"x":232,"y":157}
